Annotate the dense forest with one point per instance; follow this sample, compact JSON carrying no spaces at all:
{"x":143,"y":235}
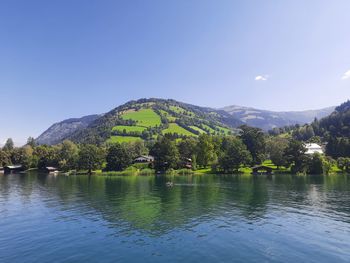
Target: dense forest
{"x":333,"y":131}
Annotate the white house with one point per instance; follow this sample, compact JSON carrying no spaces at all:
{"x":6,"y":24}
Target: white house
{"x":312,"y":148}
{"x":144,"y":159}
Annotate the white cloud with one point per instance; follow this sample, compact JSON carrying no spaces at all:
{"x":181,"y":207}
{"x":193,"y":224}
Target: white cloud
{"x":346,"y":75}
{"x":261,"y":77}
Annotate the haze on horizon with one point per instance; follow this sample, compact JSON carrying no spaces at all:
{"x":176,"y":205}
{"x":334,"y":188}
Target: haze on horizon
{"x":68,"y":59}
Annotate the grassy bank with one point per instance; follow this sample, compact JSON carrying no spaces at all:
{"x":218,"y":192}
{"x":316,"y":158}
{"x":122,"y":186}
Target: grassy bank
{"x":144,"y":170}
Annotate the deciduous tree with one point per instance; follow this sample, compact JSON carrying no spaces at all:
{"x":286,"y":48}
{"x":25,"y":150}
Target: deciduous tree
{"x":275,"y":148}
{"x":254,"y":139}
{"x":118,"y":157}
{"x":166,"y":154}
{"x":233,"y":154}
{"x":90,"y":157}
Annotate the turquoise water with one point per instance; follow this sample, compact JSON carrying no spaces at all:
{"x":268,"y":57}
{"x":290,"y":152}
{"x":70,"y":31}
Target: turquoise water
{"x":201,"y":218}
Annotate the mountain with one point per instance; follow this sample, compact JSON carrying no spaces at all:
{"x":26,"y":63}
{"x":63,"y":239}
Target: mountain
{"x":268,"y":120}
{"x":60,"y":130}
{"x":145,"y":119}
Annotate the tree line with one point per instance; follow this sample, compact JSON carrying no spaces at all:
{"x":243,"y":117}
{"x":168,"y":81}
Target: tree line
{"x":222,"y":154}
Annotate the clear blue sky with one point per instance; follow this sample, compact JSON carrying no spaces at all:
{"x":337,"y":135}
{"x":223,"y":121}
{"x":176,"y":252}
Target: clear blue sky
{"x":61,"y":59}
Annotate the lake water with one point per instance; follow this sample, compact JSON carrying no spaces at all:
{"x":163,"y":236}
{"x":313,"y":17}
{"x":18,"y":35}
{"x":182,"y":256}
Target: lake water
{"x":203,"y":218}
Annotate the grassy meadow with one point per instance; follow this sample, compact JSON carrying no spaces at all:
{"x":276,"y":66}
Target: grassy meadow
{"x":144,"y":117}
{"x":175,"y":128}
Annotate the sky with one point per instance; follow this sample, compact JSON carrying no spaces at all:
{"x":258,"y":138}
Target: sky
{"x":63,"y":59}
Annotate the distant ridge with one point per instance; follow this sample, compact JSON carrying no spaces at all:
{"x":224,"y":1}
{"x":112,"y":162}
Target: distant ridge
{"x":267,"y":120}
{"x":60,"y":130}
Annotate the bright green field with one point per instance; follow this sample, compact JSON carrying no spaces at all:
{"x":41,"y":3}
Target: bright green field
{"x":174,"y":128}
{"x":120,"y":139}
{"x":143,"y":117}
{"x":197,"y":129}
{"x":121,"y":128}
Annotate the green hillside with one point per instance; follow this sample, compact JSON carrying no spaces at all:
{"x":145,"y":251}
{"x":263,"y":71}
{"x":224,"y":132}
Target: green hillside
{"x":143,"y":117}
{"x":146,"y":119}
{"x":197,"y":129}
{"x":174,"y":128}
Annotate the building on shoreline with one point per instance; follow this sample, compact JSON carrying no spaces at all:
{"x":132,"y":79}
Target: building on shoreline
{"x":144,"y":159}
{"x":13,"y":169}
{"x":312,"y":148}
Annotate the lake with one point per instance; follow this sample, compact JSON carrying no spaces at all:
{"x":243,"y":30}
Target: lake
{"x":202,"y":218}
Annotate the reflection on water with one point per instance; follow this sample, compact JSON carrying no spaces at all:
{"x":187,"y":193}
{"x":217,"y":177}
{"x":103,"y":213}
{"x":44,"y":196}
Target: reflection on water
{"x":208,"y":218}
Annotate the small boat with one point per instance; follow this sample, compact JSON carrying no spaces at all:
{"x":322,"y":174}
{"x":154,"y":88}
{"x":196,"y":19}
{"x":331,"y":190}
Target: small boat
{"x":169,"y":184}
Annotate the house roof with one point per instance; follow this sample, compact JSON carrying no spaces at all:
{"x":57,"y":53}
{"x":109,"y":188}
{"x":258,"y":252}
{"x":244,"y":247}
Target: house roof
{"x":14,"y":166}
{"x":51,"y":168}
{"x":313,"y":145}
{"x":312,"y":148}
{"x":143,"y":157}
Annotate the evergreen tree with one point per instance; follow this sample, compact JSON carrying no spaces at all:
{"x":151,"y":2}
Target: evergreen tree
{"x":9,"y":145}
{"x":31,"y":142}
